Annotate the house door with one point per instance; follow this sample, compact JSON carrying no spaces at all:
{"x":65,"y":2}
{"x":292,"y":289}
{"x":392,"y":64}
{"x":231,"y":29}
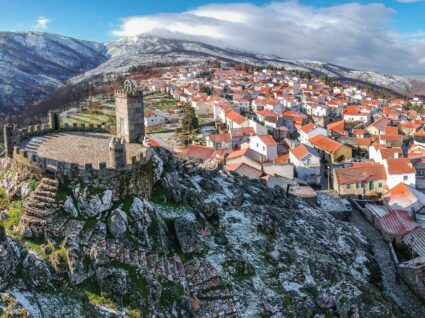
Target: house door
{"x":371,"y":185}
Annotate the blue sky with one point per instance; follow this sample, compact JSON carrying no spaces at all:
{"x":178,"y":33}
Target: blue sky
{"x":386,"y":36}
{"x":95,"y":19}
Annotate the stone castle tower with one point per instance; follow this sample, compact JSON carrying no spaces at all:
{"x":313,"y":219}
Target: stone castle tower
{"x":129,"y":110}
{"x":117,"y":153}
{"x":54,"y":120}
{"x":10,"y":138}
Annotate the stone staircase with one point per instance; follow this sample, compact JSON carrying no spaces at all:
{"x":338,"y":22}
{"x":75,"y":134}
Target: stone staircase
{"x":40,"y":208}
{"x":210,"y":296}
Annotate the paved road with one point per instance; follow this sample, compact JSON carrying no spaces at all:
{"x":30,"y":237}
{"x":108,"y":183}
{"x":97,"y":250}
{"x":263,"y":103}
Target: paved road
{"x":399,"y":292}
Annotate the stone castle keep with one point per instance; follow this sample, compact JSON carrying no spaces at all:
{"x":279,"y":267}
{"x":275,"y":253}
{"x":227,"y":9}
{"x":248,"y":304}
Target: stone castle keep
{"x":130,"y":113}
{"x":87,"y":152}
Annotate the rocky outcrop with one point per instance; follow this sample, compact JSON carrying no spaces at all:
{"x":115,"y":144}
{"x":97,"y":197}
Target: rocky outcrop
{"x":10,"y":258}
{"x":187,"y":235}
{"x":117,"y":223}
{"x":11,"y":307}
{"x":36,"y":272}
{"x":208,"y":244}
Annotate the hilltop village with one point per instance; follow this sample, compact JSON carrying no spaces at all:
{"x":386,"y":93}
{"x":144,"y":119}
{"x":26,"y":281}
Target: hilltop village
{"x":337,"y":145}
{"x":201,"y":197}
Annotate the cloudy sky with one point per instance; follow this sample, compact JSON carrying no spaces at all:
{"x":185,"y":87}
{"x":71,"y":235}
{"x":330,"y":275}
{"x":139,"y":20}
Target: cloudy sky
{"x":386,"y":36}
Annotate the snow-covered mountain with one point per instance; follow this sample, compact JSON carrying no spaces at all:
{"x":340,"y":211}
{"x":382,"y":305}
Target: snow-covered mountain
{"x":35,"y":64}
{"x":147,"y":49}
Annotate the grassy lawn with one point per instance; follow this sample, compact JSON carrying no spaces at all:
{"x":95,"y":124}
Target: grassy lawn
{"x":160,"y":101}
{"x":155,"y":129}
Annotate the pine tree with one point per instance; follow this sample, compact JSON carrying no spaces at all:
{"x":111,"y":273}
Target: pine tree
{"x":190,"y":121}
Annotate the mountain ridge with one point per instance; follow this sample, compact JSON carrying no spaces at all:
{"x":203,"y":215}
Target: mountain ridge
{"x":35,"y":64}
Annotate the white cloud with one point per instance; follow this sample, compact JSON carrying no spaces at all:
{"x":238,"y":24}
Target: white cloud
{"x":353,"y":35}
{"x":42,"y":23}
{"x":409,"y":1}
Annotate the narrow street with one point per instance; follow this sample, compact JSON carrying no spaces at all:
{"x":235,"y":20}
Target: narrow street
{"x":399,"y":292}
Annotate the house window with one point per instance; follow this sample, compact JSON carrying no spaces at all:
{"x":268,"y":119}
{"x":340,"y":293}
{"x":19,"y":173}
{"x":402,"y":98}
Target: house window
{"x":380,"y":185}
{"x":264,"y":148}
{"x":348,"y":186}
{"x":358,"y":185}
{"x":405,"y":178}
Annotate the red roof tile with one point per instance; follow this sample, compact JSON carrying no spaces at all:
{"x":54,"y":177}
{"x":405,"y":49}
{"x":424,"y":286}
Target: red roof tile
{"x":360,"y":172}
{"x":307,"y":128}
{"x":236,"y":117}
{"x":268,"y":140}
{"x":396,"y":223}
{"x":200,"y":152}
{"x":325,"y":143}
{"x":400,"y":166}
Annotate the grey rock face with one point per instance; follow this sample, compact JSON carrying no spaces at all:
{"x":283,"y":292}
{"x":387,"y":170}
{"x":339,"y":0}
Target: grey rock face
{"x":10,"y":258}
{"x":186,"y":234}
{"x":78,"y":271}
{"x":36,"y":271}
{"x":11,"y":307}
{"x":117,"y":223}
{"x":112,"y":281}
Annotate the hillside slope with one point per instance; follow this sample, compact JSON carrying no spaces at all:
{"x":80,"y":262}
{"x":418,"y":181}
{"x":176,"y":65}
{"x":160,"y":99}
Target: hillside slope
{"x":35,"y":64}
{"x":206,"y":244}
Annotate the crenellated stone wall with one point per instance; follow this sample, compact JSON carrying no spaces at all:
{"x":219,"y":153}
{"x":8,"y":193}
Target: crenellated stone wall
{"x":39,"y":130}
{"x":135,"y":178}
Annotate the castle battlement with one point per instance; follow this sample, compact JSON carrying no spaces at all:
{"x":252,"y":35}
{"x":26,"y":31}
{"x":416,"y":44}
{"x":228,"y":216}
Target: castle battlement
{"x":87,"y":152}
{"x":124,"y":94}
{"x":24,"y":157}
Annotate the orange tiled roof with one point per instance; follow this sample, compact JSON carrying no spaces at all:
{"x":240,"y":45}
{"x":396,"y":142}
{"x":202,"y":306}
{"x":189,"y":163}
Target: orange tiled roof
{"x":307,"y":128}
{"x":388,"y":153}
{"x":282,"y":159}
{"x":268,"y":140}
{"x":301,"y":151}
{"x":236,"y":117}
{"x":266,"y":112}
{"x":420,"y":133}
{"x":391,"y":130}
{"x":363,"y":172}
{"x":358,"y":132}
{"x":325,"y":143}
{"x":337,"y":127}
{"x":391,"y":137}
{"x":200,"y":152}
{"x":225,"y":137}
{"x":400,"y":166}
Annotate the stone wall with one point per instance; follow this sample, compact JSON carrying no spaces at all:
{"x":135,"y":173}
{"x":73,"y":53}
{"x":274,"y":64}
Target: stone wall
{"x":39,"y":130}
{"x":136,"y":178}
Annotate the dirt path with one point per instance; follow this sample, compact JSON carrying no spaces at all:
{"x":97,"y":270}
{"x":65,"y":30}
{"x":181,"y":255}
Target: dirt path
{"x":399,"y":292}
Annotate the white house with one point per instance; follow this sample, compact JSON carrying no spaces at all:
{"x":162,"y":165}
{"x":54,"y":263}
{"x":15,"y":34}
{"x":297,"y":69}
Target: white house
{"x":152,"y":119}
{"x":236,"y":120}
{"x":265,"y":145}
{"x":379,"y":153}
{"x":242,"y":103}
{"x":200,"y":106}
{"x":400,"y":170}
{"x":355,"y":114}
{"x":219,"y":141}
{"x":320,"y":111}
{"x":309,"y":131}
{"x":306,"y":161}
{"x":258,"y":128}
